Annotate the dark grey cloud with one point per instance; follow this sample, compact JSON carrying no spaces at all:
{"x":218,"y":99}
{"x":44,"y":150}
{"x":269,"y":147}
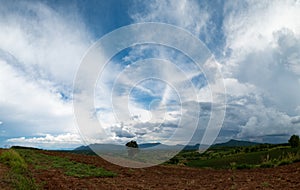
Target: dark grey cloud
{"x":295,"y":120}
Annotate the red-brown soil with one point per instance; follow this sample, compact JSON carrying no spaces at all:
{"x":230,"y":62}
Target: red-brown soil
{"x":4,"y":183}
{"x":169,"y":177}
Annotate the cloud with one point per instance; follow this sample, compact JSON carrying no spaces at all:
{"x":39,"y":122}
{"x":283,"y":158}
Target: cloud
{"x":295,"y":120}
{"x":42,"y":39}
{"x":235,"y":88}
{"x":31,"y":104}
{"x":260,"y":67}
{"x":146,"y":94}
{"x":67,"y":140}
{"x":186,"y":14}
{"x":122,"y":132}
{"x":259,"y":63}
{"x":40,"y":51}
{"x":288,"y":49}
{"x":250,"y":25}
{"x":266,"y":121}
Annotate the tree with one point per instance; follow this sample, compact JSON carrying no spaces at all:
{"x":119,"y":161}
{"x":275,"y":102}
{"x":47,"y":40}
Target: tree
{"x":132,"y":148}
{"x":132,"y":144}
{"x":294,"y":141}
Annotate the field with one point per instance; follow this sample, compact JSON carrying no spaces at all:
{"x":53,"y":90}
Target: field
{"x":257,"y":156}
{"x":217,"y":168}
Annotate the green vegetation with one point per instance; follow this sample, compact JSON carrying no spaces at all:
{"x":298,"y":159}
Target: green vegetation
{"x":19,"y":175}
{"x":294,"y":141}
{"x":13,"y":160}
{"x":44,"y":162}
{"x":262,"y":155}
{"x":265,"y":184}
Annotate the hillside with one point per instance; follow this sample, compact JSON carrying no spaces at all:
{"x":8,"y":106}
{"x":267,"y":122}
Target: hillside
{"x":235,"y":143}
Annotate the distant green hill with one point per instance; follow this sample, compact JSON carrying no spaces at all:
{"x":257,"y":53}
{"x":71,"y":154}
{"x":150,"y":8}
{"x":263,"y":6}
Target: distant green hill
{"x":235,"y":143}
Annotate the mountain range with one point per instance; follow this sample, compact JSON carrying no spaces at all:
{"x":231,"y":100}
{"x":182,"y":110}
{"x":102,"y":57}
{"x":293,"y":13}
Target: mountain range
{"x":159,"y":146}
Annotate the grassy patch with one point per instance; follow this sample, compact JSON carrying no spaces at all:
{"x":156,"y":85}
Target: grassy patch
{"x":265,"y":184}
{"x":13,"y":160}
{"x":285,"y":159}
{"x":44,"y":162}
{"x":18,"y":176}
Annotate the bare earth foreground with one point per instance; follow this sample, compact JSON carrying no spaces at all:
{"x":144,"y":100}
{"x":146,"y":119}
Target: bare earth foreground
{"x":165,"y":177}
{"x":3,"y":183}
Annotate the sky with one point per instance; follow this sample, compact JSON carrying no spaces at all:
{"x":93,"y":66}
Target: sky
{"x":255,"y":45}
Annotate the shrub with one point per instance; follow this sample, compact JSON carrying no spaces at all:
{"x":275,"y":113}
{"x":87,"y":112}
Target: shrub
{"x":268,"y":164}
{"x":233,"y":165}
{"x":284,"y":162}
{"x":294,"y":141}
{"x":174,"y":161}
{"x":245,"y":166}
